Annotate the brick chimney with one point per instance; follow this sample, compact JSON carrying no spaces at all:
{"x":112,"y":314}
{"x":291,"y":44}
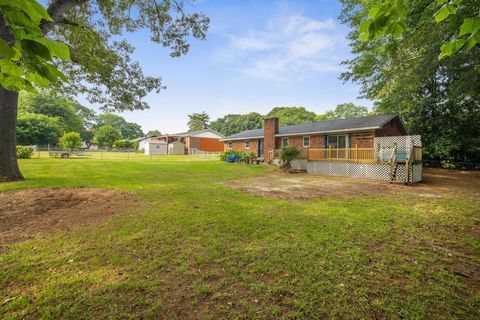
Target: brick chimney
{"x":270,"y":128}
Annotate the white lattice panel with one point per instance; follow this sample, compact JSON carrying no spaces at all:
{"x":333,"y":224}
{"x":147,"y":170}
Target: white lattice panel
{"x":299,"y":164}
{"x":384,"y":145}
{"x":373,"y":171}
{"x":403,"y":142}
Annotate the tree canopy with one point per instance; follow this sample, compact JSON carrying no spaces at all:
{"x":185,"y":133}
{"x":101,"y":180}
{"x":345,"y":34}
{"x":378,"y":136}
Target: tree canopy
{"x":152,"y":133}
{"x":344,"y":111}
{"x":292,"y":115}
{"x":128,"y":130}
{"x":437,"y":98}
{"x":37,"y":129}
{"x":106,"y":136}
{"x":198,"y":121}
{"x":79,"y":47}
{"x":234,"y":123}
{"x":53,"y":106}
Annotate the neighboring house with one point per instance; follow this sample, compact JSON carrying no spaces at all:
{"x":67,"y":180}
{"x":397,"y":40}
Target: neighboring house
{"x":142,"y":141}
{"x":346,"y":133}
{"x":375,"y":147}
{"x":203,"y":140}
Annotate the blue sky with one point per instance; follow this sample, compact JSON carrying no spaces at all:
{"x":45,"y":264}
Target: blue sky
{"x":257,"y":55}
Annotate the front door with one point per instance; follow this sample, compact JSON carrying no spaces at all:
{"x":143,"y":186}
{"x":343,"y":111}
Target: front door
{"x":260,"y":148}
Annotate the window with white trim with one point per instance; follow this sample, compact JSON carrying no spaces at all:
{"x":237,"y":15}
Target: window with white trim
{"x":247,"y":144}
{"x":230,"y":143}
{"x":284,"y":142}
{"x":306,"y":141}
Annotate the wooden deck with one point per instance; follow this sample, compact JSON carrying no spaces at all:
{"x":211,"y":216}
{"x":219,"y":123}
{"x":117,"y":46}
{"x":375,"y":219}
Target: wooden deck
{"x":357,"y":155}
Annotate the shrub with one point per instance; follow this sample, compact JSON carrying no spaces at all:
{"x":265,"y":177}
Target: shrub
{"x":287,"y":154}
{"x":241,"y":154}
{"x":71,"y":141}
{"x":119,"y":144}
{"x":107,"y":135}
{"x":24,"y":152}
{"x":123,"y":144}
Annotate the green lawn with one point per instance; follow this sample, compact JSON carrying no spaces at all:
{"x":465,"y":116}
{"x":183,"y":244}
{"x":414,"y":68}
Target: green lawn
{"x":199,"y":250}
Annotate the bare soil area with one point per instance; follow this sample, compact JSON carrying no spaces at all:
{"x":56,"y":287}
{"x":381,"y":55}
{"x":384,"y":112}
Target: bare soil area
{"x":281,"y":185}
{"x":26,"y":213}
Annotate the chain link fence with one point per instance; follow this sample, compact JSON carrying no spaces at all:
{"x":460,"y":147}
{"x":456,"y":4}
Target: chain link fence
{"x":116,"y":154}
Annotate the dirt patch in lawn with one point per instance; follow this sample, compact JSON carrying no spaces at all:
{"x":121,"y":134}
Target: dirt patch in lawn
{"x":26,"y":213}
{"x":281,"y":185}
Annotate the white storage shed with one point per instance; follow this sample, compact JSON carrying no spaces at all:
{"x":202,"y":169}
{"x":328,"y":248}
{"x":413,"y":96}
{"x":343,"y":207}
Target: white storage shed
{"x":155,"y":147}
{"x":176,"y":147}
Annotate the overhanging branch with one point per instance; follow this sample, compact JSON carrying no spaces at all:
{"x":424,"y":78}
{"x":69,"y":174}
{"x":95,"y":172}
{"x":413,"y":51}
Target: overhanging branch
{"x":57,"y":10}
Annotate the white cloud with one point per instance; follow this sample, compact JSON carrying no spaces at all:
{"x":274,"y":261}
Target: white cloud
{"x":288,"y":48}
{"x":298,"y":24}
{"x":249,"y":43}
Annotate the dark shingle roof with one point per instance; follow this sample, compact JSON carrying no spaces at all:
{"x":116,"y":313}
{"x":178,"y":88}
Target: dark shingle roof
{"x":376,"y":121}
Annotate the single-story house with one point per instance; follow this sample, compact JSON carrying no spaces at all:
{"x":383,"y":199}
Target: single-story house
{"x":346,"y":133}
{"x":364,"y":146}
{"x":207,"y":140}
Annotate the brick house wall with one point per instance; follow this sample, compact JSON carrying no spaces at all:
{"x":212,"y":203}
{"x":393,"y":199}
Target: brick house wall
{"x":240,"y":146}
{"x":362,"y":139}
{"x":269,"y":131}
{"x":316,"y":141}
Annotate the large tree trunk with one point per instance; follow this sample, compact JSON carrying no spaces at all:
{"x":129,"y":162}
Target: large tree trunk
{"x":9,"y":170}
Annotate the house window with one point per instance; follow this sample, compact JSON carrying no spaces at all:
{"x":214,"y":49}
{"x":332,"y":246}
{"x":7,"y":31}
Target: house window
{"x":338,"y":142}
{"x":247,"y":144}
{"x":230,"y":145}
{"x":306,"y":141}
{"x":284,"y":142}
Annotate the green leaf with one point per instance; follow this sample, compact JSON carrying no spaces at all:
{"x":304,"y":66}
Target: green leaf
{"x":51,"y":73}
{"x":12,"y":83}
{"x":444,"y":12}
{"x":10,"y":68}
{"x":374,"y":10}
{"x":5,"y":50}
{"x":469,"y":25}
{"x":18,"y":17}
{"x":399,"y":29}
{"x":57,"y":49}
{"x":450,"y":48}
{"x":36,"y":48}
{"x":473,"y":40}
{"x":364,"y":36}
{"x":37,"y":79}
{"x":364,"y":26}
{"x":32,"y":8}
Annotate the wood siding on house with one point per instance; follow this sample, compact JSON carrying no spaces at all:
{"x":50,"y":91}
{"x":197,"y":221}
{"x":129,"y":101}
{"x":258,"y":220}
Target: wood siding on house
{"x":210,"y":144}
{"x":392,"y":128}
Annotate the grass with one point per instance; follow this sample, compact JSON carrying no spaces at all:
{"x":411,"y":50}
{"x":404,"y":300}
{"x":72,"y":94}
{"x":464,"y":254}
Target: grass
{"x":202,"y":250}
